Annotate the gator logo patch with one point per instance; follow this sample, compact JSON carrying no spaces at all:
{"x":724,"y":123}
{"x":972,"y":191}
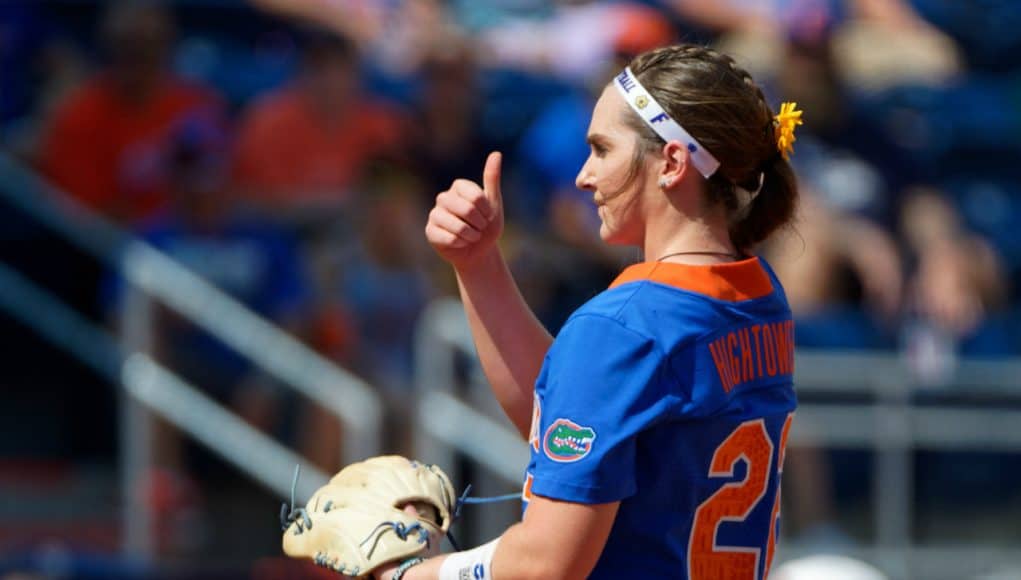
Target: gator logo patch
{"x":566,"y":441}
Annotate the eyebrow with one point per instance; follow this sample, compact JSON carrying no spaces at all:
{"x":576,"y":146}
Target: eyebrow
{"x":596,"y":139}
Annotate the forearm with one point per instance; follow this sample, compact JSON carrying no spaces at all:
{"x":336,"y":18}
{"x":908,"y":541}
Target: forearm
{"x":510,"y":340}
{"x":538,"y":547}
{"x":518,"y":556}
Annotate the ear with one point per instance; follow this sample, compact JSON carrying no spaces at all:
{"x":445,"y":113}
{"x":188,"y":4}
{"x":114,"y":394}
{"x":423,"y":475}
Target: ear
{"x":676,"y":161}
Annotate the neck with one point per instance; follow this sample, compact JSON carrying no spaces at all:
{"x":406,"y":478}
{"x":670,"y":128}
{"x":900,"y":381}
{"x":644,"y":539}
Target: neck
{"x":679,"y":228}
{"x":704,"y":239}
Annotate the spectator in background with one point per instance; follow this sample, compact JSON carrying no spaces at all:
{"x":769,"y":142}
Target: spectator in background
{"x":383,"y":278}
{"x":302,"y":149}
{"x":841,"y":260}
{"x":244,"y":255}
{"x":397,"y":35}
{"x":39,"y":68}
{"x":766,"y":18}
{"x":103,"y":143}
{"x":447,"y":116}
{"x":255,"y":262}
{"x":360,"y":20}
{"x":577,"y":42}
{"x":957,"y":285}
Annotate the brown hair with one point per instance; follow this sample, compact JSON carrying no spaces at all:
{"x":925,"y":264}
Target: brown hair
{"x":719,"y":104}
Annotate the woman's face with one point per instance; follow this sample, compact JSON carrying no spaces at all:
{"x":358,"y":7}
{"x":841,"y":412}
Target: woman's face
{"x":605,"y":173}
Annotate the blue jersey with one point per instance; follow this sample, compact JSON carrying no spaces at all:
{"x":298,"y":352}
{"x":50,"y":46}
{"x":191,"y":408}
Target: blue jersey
{"x":672,"y":393}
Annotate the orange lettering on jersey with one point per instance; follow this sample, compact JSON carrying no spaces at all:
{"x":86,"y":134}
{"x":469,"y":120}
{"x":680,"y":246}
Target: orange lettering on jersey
{"x":738,"y":363}
{"x":735,"y":361}
{"x":716,"y":350}
{"x":782,"y":349}
{"x":733,"y":502}
{"x":758,"y":349}
{"x":747,"y":367}
{"x":774,"y":520}
{"x":767,"y":339}
{"x":727,"y":366}
{"x":790,"y":345}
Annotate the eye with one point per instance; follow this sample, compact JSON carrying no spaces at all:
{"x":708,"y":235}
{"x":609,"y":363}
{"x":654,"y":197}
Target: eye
{"x":598,"y":149}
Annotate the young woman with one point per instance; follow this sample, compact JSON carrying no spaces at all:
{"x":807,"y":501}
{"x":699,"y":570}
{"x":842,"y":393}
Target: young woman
{"x":657,"y":418}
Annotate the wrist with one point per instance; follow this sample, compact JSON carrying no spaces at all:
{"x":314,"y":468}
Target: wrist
{"x":475,"y":563}
{"x":481,"y":265}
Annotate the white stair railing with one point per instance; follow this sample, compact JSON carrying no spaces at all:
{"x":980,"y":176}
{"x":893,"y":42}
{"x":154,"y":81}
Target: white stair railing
{"x":149,"y":387}
{"x":150,"y":275}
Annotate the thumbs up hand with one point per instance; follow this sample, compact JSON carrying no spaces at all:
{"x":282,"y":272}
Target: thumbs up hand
{"x":467,"y":220}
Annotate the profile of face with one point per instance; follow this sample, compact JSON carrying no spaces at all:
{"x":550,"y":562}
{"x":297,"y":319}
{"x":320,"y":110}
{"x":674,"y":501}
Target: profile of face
{"x":607,"y":172}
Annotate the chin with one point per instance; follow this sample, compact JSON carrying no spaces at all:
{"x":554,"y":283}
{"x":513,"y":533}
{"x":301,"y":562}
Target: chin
{"x":615,"y":237}
{"x":608,"y":234}
{"x":605,"y":233}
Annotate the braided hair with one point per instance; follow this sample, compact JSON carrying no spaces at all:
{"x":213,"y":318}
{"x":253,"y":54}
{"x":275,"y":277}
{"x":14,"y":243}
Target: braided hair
{"x":721,"y":106}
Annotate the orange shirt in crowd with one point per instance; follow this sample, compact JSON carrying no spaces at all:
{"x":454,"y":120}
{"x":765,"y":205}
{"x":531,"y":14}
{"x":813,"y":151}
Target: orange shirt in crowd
{"x":287,"y":153}
{"x":108,"y":151}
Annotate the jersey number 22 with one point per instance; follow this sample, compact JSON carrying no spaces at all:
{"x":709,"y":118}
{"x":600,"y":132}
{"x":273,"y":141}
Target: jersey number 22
{"x":733,"y":502}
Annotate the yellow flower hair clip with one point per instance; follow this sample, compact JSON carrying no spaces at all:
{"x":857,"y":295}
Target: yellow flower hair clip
{"x":785,"y":121}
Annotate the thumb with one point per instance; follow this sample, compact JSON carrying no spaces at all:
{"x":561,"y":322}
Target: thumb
{"x":491,"y":180}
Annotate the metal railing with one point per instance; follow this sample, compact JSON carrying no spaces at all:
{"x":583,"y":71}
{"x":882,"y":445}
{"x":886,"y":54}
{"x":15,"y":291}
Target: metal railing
{"x":151,"y":275}
{"x":149,"y":387}
{"x":890,"y":423}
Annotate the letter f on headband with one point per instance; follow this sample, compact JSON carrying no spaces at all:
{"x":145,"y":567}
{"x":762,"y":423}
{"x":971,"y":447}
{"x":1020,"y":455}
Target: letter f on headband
{"x":664,"y":125}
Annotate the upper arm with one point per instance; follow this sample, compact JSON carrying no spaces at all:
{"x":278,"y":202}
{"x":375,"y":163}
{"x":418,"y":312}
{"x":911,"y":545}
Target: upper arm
{"x":603,"y":386}
{"x":557,"y":539}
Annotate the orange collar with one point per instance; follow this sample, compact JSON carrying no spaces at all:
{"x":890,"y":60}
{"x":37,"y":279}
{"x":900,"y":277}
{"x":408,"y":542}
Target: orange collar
{"x":732,"y":281}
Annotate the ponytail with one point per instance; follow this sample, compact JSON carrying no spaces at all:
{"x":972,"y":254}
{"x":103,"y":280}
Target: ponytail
{"x":772,"y":208}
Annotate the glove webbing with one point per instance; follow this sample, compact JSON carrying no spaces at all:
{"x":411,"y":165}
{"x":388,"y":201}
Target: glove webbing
{"x":291,"y":514}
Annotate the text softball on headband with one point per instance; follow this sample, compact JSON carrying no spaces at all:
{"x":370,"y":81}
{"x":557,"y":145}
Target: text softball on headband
{"x":665,"y":126}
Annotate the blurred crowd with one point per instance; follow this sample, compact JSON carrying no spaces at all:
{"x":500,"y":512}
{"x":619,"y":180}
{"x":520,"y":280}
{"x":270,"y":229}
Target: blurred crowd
{"x":288,"y":151}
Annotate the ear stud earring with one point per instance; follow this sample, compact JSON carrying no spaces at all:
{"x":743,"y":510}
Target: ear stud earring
{"x":664,"y":183}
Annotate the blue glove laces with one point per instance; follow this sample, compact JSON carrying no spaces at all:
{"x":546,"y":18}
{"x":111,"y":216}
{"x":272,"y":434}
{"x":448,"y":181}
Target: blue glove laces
{"x":291,"y":514}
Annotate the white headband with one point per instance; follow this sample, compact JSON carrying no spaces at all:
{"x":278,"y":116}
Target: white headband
{"x":654,"y":116}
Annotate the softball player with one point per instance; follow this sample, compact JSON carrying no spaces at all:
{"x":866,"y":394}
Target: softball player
{"x":657,"y":419}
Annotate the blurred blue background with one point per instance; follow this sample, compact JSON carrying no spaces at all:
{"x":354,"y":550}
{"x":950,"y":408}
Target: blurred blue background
{"x":287,"y":152}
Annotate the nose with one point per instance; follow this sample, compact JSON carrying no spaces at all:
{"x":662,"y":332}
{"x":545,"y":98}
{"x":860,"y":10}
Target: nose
{"x":585,"y":179}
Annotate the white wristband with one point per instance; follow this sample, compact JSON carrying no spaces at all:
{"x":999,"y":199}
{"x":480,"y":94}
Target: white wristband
{"x":474,"y":564}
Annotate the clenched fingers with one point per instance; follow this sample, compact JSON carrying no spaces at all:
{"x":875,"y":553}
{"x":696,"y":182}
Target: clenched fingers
{"x":460,"y":204}
{"x":442,"y":238}
{"x":471,"y":192}
{"x":455,"y":225}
